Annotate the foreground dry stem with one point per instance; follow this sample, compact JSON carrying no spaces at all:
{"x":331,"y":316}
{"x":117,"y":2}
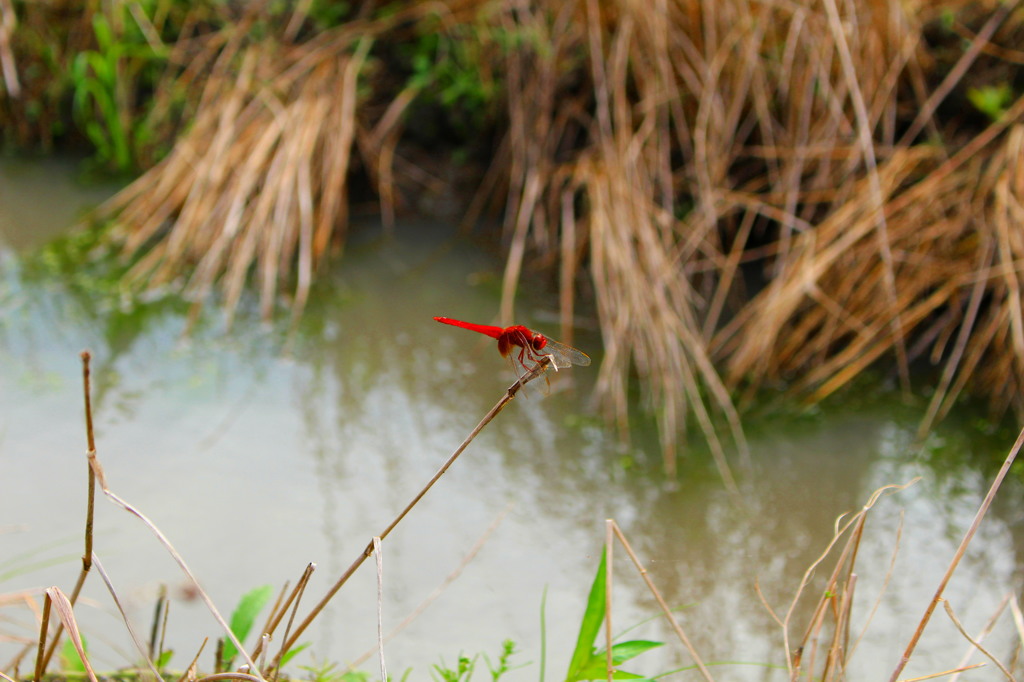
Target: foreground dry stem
{"x":65,"y":606}
{"x":824,"y":649}
{"x":820,"y":649}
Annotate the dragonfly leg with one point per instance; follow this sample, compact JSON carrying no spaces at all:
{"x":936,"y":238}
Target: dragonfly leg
{"x":536,"y":356}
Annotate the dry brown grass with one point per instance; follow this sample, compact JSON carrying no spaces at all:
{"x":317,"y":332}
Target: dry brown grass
{"x":736,"y":141}
{"x":256,"y":191}
{"x":746,"y":185}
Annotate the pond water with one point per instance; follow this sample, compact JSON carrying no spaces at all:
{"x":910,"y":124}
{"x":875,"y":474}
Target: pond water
{"x":259,"y":450}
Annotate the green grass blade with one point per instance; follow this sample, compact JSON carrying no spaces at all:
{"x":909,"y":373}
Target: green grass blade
{"x":543,"y":633}
{"x":291,"y":653}
{"x":591,"y":625}
{"x":595,"y":667}
{"x":249,"y":606}
{"x":69,"y":658}
{"x":624,"y":651}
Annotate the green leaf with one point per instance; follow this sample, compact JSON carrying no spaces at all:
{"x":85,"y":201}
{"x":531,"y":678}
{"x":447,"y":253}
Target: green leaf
{"x":292,"y":653}
{"x":991,"y":100}
{"x":623,"y":651}
{"x":595,"y":668}
{"x":164,"y":658}
{"x":69,"y":658}
{"x":948,"y":20}
{"x":249,"y":606}
{"x":590,"y":626}
{"x":598,"y":672}
{"x":101,"y":28}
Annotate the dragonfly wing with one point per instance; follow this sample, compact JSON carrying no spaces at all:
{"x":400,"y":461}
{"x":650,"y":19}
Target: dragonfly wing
{"x":563,"y":356}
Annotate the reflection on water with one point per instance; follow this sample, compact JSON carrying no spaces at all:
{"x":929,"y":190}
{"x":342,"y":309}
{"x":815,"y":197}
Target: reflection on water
{"x":39,"y":198}
{"x":256,"y":456}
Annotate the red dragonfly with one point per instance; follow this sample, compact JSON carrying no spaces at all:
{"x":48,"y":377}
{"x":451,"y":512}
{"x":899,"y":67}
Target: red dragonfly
{"x":532,"y":345}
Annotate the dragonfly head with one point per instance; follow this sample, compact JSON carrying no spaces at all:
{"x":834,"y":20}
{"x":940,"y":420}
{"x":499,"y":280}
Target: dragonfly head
{"x":538,"y":341}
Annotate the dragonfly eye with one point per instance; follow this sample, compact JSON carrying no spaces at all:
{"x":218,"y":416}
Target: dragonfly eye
{"x":539,"y":341}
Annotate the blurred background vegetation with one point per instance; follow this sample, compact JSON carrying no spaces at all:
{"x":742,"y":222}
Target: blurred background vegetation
{"x":740,"y":195}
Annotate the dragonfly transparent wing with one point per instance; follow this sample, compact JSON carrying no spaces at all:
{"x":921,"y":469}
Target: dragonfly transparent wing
{"x":563,"y":356}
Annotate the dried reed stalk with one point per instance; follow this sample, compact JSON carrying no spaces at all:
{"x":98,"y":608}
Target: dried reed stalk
{"x":836,"y":598}
{"x":958,"y":555}
{"x":352,"y":665}
{"x":66,"y":613}
{"x":735,"y":178}
{"x":8,"y":70}
{"x":368,"y":551}
{"x":97,"y":476}
{"x":681,"y":99}
{"x":87,"y":555}
{"x":258,"y":185}
{"x":256,"y":191}
{"x":613,"y":531}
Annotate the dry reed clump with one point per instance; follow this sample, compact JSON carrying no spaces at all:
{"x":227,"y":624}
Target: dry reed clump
{"x":257,"y":187}
{"x":705,"y":125}
{"x":744,"y":184}
{"x":259,"y":180}
{"x":735,"y":142}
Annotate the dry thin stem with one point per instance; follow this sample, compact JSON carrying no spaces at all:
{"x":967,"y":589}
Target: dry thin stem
{"x":97,"y":470}
{"x":89,"y":510}
{"x":43,"y":627}
{"x":449,"y":579}
{"x":676,"y":627}
{"x":265,"y":641}
{"x":957,"y":556}
{"x":230,"y":676}
{"x":975,"y":642}
{"x":836,"y":657}
{"x":856,"y":522}
{"x":885,"y":586}
{"x":293,"y":602}
{"x":943,"y":674}
{"x":510,"y":393}
{"x":1018,"y":618}
{"x":139,"y":646}
{"x":980,"y":637}
{"x":66,"y":613}
{"x":379,"y":555}
{"x":294,"y":599}
{"x":766,"y":605}
{"x":190,"y":672}
{"x":113,"y":497}
{"x":91,"y":445}
{"x":273,"y":616}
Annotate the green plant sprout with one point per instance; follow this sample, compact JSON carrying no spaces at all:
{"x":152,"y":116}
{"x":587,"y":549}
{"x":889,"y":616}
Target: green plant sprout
{"x":463,"y":671}
{"x":102,"y":80}
{"x":590,"y":663}
{"x":70,"y":661}
{"x":243,"y":618}
{"x":991,"y":100}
